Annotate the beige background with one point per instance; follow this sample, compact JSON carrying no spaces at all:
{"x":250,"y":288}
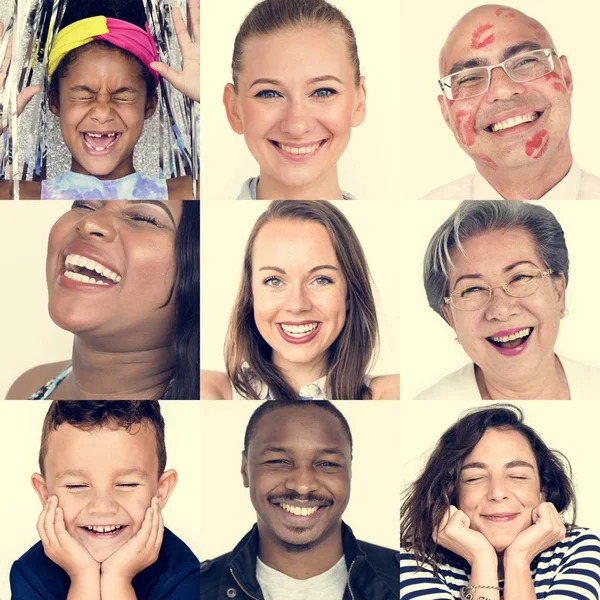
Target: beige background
{"x":20,"y":431}
{"x":429,"y":150}
{"x":568,"y":427}
{"x":223,"y":240}
{"x":428,"y":351}
{"x":226,"y":513}
{"x":29,"y":336}
{"x":368,"y":168}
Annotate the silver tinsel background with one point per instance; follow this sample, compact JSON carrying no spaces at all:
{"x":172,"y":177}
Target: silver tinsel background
{"x":148,"y":149}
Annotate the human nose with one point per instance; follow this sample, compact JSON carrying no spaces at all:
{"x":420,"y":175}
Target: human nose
{"x":97,"y":224}
{"x":501,"y":306}
{"x":297,"y":119}
{"x":497,"y":489}
{"x":102,"y":110}
{"x":502,"y":87}
{"x":302,"y":480}
{"x":102,"y":503}
{"x":298,"y":299}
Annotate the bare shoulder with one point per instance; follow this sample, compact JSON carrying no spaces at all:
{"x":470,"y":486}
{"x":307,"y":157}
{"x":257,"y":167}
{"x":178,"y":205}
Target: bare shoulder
{"x":33,"y":379}
{"x":30,"y":190}
{"x":214,"y":385}
{"x":386,"y":387}
{"x":180,"y":188}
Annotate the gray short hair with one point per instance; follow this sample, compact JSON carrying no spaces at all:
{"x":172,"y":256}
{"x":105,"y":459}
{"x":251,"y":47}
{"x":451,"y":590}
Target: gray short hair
{"x":472,"y":218}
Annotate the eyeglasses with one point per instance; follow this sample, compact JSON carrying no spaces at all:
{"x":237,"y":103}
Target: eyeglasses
{"x":475,"y":297}
{"x":473,"y":82}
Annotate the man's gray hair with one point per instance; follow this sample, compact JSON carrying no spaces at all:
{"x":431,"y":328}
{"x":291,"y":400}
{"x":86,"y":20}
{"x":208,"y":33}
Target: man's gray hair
{"x":472,"y":218}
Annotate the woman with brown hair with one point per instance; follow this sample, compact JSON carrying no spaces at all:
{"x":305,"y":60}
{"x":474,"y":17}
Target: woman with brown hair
{"x":304,"y":322}
{"x":488,"y":518}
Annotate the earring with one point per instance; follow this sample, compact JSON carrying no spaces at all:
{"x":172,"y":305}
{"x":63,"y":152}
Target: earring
{"x":564,"y":313}
{"x":456,"y":340}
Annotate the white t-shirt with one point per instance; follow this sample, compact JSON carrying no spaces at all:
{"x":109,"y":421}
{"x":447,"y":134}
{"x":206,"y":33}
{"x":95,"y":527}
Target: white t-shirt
{"x":584,"y":383}
{"x":330,"y":585}
{"x":576,"y":185}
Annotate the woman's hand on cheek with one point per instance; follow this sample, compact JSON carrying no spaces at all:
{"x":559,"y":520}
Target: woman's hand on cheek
{"x":61,"y":547}
{"x":140,"y":551}
{"x":454,"y":534}
{"x":547,"y":529}
{"x":187,"y":81}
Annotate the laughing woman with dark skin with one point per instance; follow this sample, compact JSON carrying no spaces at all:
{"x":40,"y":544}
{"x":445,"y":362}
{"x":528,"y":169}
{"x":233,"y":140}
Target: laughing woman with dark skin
{"x":123,"y":277}
{"x":487,"y":518}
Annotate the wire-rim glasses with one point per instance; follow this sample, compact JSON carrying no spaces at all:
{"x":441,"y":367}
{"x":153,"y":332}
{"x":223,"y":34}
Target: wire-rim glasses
{"x":520,"y":285}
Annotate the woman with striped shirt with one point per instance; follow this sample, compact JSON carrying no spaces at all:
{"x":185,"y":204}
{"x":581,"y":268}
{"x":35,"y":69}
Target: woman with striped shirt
{"x":484,"y":520}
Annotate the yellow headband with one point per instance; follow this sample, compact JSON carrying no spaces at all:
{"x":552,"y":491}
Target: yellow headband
{"x":74,"y":36}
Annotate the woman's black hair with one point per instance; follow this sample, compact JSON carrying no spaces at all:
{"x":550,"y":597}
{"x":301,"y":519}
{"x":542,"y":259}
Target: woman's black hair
{"x":131,"y":11}
{"x":185,"y":384}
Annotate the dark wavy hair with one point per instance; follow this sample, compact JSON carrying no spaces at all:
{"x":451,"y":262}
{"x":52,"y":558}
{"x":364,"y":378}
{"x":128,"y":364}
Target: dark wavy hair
{"x":247,"y":354}
{"x":131,"y":11}
{"x":185,"y":384}
{"x":427,"y":499}
{"x":93,"y":414}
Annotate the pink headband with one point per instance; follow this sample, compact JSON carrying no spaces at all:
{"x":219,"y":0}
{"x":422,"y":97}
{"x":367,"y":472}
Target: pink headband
{"x":133,"y":39}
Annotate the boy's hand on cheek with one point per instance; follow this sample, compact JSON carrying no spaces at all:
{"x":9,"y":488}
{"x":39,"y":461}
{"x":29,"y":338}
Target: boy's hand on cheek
{"x":61,"y":547}
{"x":140,"y":551}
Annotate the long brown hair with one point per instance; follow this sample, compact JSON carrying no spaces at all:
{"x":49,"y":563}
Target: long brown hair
{"x":428,"y":498}
{"x":247,"y":354}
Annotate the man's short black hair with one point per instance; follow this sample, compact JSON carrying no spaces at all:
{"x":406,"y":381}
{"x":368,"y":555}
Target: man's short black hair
{"x":272,"y":405}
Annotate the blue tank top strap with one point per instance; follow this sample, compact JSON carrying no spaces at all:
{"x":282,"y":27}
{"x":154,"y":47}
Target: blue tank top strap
{"x":46,"y":390}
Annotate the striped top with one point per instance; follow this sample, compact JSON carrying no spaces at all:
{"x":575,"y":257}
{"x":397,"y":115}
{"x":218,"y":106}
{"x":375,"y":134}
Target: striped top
{"x":570,"y":570}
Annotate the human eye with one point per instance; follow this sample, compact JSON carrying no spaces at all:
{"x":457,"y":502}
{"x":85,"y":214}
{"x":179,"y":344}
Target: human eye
{"x":324,"y":93}
{"x":472,"y":291}
{"x":521,"y":277}
{"x":328,"y":464}
{"x":83,"y":205}
{"x":268,"y":94}
{"x":143,"y":218}
{"x":128,"y":485}
{"x":75,"y":486}
{"x":474,"y":479}
{"x":272,"y":281}
{"x":323,"y":280}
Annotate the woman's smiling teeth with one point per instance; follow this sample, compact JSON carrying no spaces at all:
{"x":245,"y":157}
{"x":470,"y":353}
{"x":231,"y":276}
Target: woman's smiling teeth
{"x":300,"y":512}
{"x":74,"y":263}
{"x":103,"y":528}
{"x":300,"y":150}
{"x":299,"y":330}
{"x":515,"y":336}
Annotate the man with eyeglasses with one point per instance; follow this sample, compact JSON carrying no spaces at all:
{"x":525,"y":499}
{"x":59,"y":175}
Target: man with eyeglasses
{"x":506,"y":96}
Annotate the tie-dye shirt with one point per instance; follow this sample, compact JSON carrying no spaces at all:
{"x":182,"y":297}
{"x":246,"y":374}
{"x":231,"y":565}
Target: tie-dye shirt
{"x":75,"y":186}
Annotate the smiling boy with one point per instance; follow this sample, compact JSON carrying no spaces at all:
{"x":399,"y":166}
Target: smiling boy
{"x":297,"y":464}
{"x":103,"y":485}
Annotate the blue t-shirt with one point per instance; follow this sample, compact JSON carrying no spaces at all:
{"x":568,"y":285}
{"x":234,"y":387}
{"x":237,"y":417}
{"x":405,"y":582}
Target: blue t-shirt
{"x":174,"y":576}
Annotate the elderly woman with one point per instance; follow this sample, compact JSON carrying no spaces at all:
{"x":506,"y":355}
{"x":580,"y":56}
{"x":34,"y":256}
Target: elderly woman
{"x":485,"y":520}
{"x":497,"y":273}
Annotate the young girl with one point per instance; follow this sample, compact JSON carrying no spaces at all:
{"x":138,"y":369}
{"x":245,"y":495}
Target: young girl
{"x":103,"y":73}
{"x":296,"y":114}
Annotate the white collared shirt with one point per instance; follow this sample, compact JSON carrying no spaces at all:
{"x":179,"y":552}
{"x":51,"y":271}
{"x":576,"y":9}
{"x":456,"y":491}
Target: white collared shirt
{"x":576,"y":185}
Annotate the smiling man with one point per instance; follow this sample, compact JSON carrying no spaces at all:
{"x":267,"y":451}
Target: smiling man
{"x":297,"y":464}
{"x":506,"y":96}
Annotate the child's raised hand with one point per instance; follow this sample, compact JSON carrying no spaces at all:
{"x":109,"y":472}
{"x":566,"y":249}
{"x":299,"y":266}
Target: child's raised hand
{"x":140,"y":551}
{"x":61,"y":547}
{"x":187,"y":81}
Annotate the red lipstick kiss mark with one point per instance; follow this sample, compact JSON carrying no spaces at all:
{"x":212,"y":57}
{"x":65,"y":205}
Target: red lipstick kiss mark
{"x":465,"y":125}
{"x":508,"y":12}
{"x":556,"y":81}
{"x":486,"y":160}
{"x":476,"y":42}
{"x":536,"y":146}
{"x":539,"y":34}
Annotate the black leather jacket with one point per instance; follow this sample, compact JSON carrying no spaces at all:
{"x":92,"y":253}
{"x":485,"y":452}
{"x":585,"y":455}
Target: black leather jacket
{"x":373,"y":571}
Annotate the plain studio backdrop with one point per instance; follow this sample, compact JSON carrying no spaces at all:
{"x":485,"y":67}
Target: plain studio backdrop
{"x":20,"y":434}
{"x":428,"y":351}
{"x":368,"y":169}
{"x":226,"y":513}
{"x":569,"y":427}
{"x":428,"y":152}
{"x":223,"y":237}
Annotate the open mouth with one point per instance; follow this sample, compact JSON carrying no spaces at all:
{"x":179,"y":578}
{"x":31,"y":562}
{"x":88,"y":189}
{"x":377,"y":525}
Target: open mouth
{"x":100,"y":142}
{"x":103,"y":531}
{"x":512,"y":343}
{"x":299,"y":333}
{"x":514,"y":121}
{"x":85,"y":270}
{"x":302,"y":510}
{"x":298,"y":151}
